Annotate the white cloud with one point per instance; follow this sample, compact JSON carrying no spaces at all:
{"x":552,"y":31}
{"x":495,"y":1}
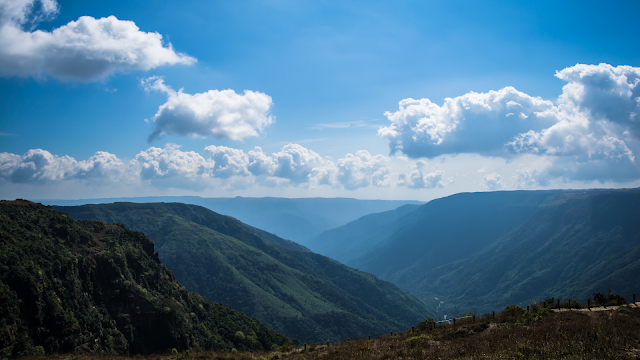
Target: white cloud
{"x":260,"y":163}
{"x":472,"y":123}
{"x":594,"y":125}
{"x":416,"y":179}
{"x":39,"y":166}
{"x":102,"y":165}
{"x":87,"y":49}
{"x":608,"y":93}
{"x":492,"y":182}
{"x":228,"y":162}
{"x":296,"y":163}
{"x":221,"y":114}
{"x":23,"y":12}
{"x":362,"y":170}
{"x":171,"y":167}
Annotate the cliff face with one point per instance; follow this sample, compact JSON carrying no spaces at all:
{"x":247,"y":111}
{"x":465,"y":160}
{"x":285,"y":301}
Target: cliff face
{"x":70,"y":285}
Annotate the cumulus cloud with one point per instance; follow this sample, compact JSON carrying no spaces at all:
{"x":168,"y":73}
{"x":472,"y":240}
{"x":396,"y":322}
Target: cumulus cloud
{"x":220,"y":114}
{"x":417,"y":179}
{"x":40,"y":166}
{"x":293,"y":164}
{"x":228,"y":168}
{"x":296,"y":163}
{"x":593,"y":125}
{"x":474,"y":122}
{"x":172,"y":167}
{"x":492,"y":182}
{"x":87,"y":49}
{"x":361,"y":170}
{"x":228,"y":162}
{"x":260,"y":163}
{"x":608,"y":93}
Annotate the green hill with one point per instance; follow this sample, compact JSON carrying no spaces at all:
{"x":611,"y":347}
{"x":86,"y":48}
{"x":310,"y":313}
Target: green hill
{"x":69,"y":285}
{"x":483,"y":251}
{"x":300,"y":293}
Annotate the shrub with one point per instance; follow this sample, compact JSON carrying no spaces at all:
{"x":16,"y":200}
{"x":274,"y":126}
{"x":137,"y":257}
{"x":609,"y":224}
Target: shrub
{"x":239,"y":336}
{"x":576,"y":305}
{"x":285,"y":348}
{"x":532,"y":316}
{"x":550,"y":301}
{"x":38,"y":351}
{"x":610,"y":298}
{"x":425,"y":324}
{"x":512,"y":310}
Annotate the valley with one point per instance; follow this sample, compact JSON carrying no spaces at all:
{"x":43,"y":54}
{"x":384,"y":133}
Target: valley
{"x":478,"y":252}
{"x":484,"y":251}
{"x":302,"y":294}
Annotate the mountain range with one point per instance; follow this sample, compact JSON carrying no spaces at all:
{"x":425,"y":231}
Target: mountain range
{"x":292,"y":219}
{"x":466,"y":252}
{"x":483,"y":251}
{"x":297,"y":292}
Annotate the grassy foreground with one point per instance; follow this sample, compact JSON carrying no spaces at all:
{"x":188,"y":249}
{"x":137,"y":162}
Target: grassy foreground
{"x":542,"y":334}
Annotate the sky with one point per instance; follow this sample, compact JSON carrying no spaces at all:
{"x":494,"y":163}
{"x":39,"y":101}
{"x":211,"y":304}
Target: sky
{"x":410,"y":100}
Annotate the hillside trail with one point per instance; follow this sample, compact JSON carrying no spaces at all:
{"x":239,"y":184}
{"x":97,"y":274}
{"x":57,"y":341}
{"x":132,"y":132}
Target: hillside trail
{"x":599,"y":308}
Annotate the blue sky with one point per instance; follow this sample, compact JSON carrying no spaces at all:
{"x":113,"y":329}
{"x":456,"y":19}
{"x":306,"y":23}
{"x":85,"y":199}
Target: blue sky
{"x":541,"y":95}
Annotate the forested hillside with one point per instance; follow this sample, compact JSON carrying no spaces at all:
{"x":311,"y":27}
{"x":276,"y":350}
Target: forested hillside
{"x":69,"y":285}
{"x":483,"y":251}
{"x":300,"y":293}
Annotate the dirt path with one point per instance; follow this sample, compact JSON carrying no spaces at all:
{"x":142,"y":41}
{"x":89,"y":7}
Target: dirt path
{"x":600,"y":308}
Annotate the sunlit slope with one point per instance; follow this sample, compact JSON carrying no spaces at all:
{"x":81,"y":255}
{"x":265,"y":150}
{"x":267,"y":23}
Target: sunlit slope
{"x":302,"y":294}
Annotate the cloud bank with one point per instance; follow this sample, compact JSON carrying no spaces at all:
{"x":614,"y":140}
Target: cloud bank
{"x":219,"y":114}
{"x":40,"y":166}
{"x":84,"y":50}
{"x":590,"y":132}
{"x":170,"y":167}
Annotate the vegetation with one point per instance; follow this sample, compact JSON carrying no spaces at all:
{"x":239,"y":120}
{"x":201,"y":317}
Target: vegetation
{"x":299,"y":293}
{"x":560,"y":335}
{"x":87,"y":286}
{"x":608,"y":299}
{"x":487,"y":250}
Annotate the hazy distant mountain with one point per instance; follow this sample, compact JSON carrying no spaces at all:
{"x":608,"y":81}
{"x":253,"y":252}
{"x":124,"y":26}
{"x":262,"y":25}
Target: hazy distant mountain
{"x":483,"y":251}
{"x":448,"y":229}
{"x":293,"y":219}
{"x":359,"y":236}
{"x":300,"y":293}
{"x":87,"y":287}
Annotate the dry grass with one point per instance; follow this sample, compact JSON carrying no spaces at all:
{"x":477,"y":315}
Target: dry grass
{"x":564,"y":335}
